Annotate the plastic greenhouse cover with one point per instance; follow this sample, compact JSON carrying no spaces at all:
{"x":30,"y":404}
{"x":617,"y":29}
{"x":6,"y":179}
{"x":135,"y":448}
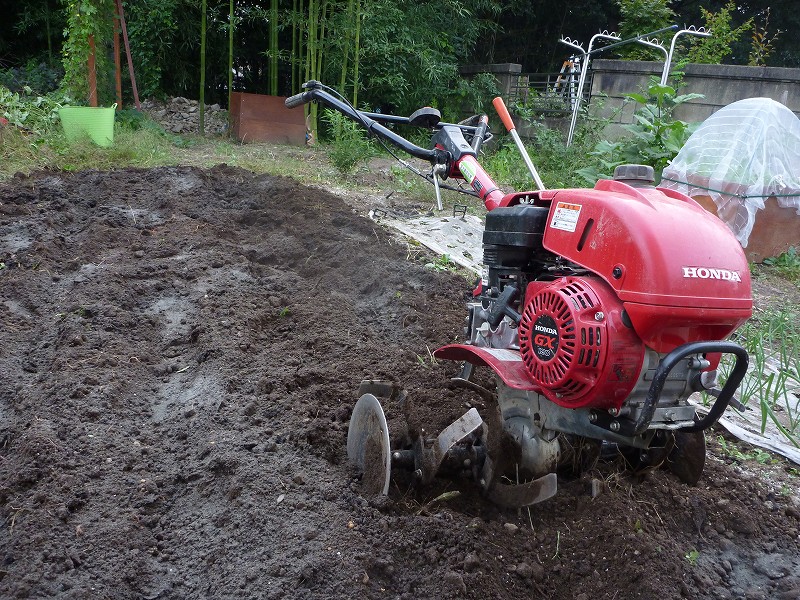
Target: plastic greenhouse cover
{"x":739,"y":156}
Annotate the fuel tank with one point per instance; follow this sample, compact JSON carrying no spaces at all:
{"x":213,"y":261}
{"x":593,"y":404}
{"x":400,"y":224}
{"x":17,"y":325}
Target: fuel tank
{"x":678,"y":270}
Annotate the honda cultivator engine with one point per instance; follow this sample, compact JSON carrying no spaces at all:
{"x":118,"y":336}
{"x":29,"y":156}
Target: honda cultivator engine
{"x":601,"y":312}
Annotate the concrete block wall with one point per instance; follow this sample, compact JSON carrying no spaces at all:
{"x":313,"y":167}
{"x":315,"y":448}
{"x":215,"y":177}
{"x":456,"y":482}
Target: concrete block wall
{"x":720,"y":85}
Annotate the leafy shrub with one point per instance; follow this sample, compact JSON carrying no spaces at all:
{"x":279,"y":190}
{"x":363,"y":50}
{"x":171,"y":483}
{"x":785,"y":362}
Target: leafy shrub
{"x":712,"y":50}
{"x":656,"y":137}
{"x":31,"y":111}
{"x":349,"y":144}
{"x":638,"y":17}
{"x":38,"y":76}
{"x":763,"y":42}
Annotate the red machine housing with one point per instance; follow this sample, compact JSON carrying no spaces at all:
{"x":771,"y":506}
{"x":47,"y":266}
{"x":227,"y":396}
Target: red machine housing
{"x":665,"y":272}
{"x":678,"y":270}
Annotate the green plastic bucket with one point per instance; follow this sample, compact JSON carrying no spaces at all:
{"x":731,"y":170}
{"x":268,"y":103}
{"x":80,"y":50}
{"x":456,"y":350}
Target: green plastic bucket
{"x":96,"y":122}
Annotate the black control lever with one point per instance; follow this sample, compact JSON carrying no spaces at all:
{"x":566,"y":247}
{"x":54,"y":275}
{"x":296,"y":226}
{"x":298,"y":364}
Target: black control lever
{"x":502,"y":307}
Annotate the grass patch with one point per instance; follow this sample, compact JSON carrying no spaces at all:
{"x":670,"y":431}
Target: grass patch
{"x":147,"y":146}
{"x":787,"y":265}
{"x":772,"y":339}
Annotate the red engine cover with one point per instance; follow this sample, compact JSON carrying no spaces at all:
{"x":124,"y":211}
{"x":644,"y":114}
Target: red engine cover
{"x":574,"y":344}
{"x":679,"y":270}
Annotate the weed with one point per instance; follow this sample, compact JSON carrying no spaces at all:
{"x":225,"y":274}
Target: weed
{"x":442,"y":263}
{"x":731,"y":450}
{"x":285,"y":312}
{"x":656,"y":137}
{"x":772,"y":339}
{"x":692,"y":556}
{"x":787,"y":265}
{"x":428,"y":361}
{"x":30,"y":111}
{"x":556,"y":162}
{"x":349,"y":145}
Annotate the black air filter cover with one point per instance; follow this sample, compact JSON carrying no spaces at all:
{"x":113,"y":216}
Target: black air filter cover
{"x":521,"y":226}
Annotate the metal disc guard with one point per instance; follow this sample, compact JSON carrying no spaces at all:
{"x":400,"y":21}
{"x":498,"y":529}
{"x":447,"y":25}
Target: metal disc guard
{"x":368,"y":444}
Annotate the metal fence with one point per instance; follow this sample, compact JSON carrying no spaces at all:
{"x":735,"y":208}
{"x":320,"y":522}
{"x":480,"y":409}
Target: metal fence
{"x":552,"y":94}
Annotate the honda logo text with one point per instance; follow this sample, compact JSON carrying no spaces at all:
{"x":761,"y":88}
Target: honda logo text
{"x":708,"y":273}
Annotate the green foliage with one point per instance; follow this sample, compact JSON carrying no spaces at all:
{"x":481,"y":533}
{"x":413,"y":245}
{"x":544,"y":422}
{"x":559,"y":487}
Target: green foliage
{"x":772,"y":339}
{"x":713,"y":50}
{"x":31,"y":31}
{"x":786,"y":265}
{"x":411,"y":52}
{"x":86,"y":18}
{"x":349,"y":144}
{"x":153,"y":32}
{"x":30,"y":111}
{"x":692,"y":557}
{"x":639,"y":17}
{"x":135,"y":120}
{"x":538,"y":104}
{"x":763,"y":42}
{"x":656,"y":137}
{"x":38,"y":76}
{"x":556,"y":162}
{"x":731,"y":450}
{"x":442,"y":263}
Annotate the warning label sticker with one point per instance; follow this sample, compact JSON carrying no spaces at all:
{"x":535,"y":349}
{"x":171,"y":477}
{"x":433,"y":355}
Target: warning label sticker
{"x":565,"y":216}
{"x":467,"y":170}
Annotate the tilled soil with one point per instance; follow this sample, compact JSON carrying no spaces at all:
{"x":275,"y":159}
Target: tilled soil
{"x":179,"y":357}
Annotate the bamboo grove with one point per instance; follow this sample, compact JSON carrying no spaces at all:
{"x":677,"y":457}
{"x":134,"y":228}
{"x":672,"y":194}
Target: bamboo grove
{"x":391,"y":55}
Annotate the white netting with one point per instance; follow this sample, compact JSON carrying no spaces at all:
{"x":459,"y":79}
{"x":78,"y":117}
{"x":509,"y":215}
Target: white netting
{"x":739,"y":156}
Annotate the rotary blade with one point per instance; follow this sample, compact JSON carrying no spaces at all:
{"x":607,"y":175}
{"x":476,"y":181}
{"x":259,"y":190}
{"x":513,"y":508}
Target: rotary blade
{"x":368,"y":444}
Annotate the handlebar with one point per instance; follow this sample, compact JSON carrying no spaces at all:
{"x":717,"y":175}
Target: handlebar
{"x":458,"y":159}
{"x":368,"y":120}
{"x":298,"y":100}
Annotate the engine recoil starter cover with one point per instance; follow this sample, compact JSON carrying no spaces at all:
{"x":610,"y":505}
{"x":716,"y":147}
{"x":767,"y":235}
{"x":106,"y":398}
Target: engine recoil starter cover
{"x":575,"y":345}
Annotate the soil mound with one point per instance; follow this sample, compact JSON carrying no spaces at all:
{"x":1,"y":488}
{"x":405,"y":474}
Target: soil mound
{"x":179,"y":356}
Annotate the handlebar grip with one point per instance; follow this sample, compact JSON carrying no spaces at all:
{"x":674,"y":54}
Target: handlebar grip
{"x":298,"y":99}
{"x":501,"y":109}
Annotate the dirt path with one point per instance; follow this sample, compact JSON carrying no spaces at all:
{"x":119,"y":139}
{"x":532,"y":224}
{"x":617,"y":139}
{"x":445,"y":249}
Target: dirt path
{"x":179,"y":356}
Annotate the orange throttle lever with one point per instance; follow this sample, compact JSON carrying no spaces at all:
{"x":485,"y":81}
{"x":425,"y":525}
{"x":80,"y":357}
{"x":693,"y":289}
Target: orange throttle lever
{"x":505,"y":117}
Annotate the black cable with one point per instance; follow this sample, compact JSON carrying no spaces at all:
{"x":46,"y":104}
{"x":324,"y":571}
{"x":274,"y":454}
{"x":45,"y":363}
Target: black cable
{"x":390,"y":150}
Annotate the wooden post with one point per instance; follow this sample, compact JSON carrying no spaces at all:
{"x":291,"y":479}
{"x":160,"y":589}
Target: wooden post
{"x":117,"y":65}
{"x":92,"y":74}
{"x":121,"y":13}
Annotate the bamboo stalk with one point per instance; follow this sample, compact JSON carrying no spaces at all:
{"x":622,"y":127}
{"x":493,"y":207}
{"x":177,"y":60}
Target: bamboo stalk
{"x":300,"y":46}
{"x":311,"y":61}
{"x":203,"y":67}
{"x":356,"y":52}
{"x":293,"y":59}
{"x":273,"y":48}
{"x":346,"y":47}
{"x":230,"y":53}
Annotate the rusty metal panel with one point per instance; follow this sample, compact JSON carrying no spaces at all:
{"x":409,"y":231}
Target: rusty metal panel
{"x":776,"y":229}
{"x":260,"y":118}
